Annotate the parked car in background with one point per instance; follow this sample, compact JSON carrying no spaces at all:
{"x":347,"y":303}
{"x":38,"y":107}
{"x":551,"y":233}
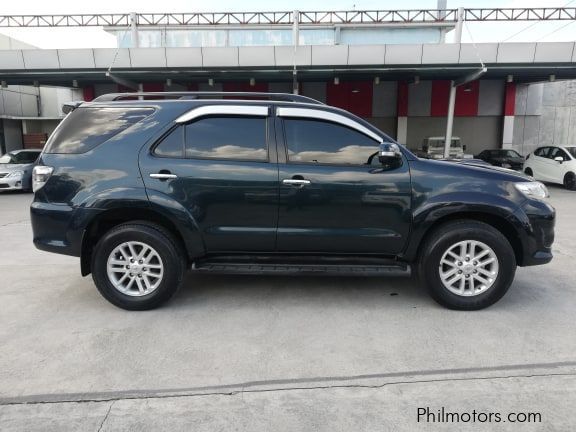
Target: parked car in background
{"x":143,"y":190}
{"x":554,"y":165}
{"x":504,"y":158}
{"x":433,"y":148}
{"x":16,"y":169}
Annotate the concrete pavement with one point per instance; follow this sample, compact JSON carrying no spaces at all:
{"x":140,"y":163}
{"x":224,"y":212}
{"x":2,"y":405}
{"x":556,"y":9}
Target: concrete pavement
{"x":278,"y":353}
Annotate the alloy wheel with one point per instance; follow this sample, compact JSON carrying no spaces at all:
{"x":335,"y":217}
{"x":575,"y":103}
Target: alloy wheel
{"x":468,"y":268}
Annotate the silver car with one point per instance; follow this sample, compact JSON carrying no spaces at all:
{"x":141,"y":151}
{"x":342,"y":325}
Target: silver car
{"x":16,"y":169}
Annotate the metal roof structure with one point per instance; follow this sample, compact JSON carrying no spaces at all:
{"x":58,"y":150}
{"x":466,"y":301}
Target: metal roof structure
{"x":354,"y":17}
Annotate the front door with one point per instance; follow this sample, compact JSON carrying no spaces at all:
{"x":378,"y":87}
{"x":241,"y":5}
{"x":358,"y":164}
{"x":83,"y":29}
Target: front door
{"x":335,"y":197}
{"x":219,"y":168}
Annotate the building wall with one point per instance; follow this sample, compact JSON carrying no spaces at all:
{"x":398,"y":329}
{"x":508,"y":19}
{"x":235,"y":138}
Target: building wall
{"x":52,"y":99}
{"x":19,"y":101}
{"x":545,"y":115}
{"x":476,"y":133}
{"x":479,"y":106}
{"x":12,"y":134}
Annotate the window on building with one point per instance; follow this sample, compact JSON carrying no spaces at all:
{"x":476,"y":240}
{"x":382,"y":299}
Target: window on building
{"x":227,"y":138}
{"x":316,"y":141}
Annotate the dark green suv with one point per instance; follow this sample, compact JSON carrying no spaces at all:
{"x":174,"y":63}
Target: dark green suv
{"x":143,"y":187}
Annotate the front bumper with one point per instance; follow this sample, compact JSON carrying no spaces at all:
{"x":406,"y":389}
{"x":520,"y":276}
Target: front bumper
{"x":537,"y":235}
{"x":7,"y":183}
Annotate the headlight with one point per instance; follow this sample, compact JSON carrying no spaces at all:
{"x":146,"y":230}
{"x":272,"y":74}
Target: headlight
{"x":533,"y":189}
{"x":40,"y":175}
{"x":15,"y":174}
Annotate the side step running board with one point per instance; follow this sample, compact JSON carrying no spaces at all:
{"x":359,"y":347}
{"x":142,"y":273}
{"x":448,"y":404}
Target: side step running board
{"x":302,"y":269}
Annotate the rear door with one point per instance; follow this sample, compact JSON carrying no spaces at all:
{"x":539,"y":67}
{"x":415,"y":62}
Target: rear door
{"x":219,"y":163}
{"x":335,"y":196}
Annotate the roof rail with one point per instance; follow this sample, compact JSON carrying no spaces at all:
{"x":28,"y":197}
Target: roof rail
{"x":284,"y":97}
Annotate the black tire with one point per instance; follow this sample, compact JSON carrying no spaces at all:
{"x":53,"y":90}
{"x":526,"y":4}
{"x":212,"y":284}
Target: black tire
{"x":570,"y":181}
{"x":529,"y":172}
{"x":163,"y":243}
{"x":448,"y":235}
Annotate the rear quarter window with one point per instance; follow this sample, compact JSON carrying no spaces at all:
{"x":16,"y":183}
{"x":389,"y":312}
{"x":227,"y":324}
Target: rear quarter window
{"x":85,"y":128}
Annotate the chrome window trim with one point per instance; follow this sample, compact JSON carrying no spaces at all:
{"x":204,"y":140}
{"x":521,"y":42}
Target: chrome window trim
{"x":327,"y":116}
{"x":223,"y":109}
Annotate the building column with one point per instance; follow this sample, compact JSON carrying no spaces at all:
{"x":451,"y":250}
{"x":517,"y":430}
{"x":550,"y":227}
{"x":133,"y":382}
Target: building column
{"x":509,"y":106}
{"x":402,"y":113}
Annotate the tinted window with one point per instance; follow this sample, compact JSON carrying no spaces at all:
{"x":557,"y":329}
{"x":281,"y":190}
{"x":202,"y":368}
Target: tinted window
{"x":542,"y":152}
{"x":26,"y":157}
{"x":172,"y":145}
{"x":227,"y":138}
{"x":572,"y":151}
{"x":558,"y":152}
{"x":86,"y":128}
{"x":314,"y":141}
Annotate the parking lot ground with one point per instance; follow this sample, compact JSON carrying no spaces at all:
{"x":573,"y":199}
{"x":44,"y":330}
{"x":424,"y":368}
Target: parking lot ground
{"x":279,"y":353}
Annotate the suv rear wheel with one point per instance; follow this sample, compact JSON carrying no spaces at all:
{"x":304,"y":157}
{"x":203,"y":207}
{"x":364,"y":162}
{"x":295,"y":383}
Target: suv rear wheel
{"x":467,"y":265}
{"x":137,"y":266}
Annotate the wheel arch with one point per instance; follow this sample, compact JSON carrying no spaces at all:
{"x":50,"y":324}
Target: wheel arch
{"x":108,"y":219}
{"x":504,"y":225}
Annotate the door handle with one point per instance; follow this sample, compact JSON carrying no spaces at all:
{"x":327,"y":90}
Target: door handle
{"x":296,"y":182}
{"x":163,"y":176}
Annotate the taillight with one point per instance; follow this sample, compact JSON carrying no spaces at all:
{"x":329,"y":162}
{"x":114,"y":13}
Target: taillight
{"x":40,"y":175}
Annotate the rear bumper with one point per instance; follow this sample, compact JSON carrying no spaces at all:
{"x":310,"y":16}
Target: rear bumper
{"x":58,"y":228}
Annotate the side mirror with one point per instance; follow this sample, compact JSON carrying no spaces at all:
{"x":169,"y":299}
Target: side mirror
{"x":559,"y":159}
{"x":389,"y":153}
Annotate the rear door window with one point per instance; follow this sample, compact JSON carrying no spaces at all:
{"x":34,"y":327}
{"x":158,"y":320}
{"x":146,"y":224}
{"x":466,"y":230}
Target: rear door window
{"x":241,"y":138}
{"x":85,"y":128}
{"x":172,"y":145}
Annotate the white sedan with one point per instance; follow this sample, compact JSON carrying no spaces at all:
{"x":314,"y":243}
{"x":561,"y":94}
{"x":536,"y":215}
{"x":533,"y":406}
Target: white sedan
{"x":553,"y":164}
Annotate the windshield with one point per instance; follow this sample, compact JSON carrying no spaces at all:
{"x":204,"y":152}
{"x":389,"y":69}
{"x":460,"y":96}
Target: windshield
{"x":440,"y":143}
{"x":572,"y":151}
{"x":19,"y":157}
{"x":509,"y":153}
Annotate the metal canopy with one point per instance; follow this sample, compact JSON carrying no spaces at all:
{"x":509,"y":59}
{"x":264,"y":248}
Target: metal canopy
{"x":521,"y":73}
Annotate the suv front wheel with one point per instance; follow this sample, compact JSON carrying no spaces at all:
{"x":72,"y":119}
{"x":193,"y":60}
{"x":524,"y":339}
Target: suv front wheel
{"x":467,"y":265}
{"x":137,"y":266}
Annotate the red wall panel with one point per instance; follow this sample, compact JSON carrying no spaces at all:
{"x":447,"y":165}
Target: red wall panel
{"x":402,"y":100}
{"x":510,"y":99}
{"x":467,"y":97}
{"x":354,"y":96}
{"x":439,"y":98}
{"x":88,"y":93}
{"x":244,"y":87}
{"x":153,"y":87}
